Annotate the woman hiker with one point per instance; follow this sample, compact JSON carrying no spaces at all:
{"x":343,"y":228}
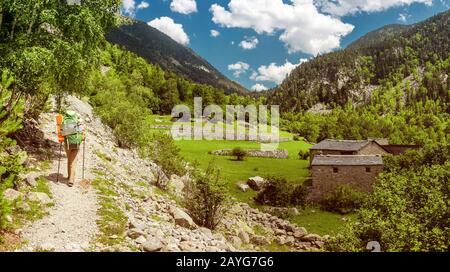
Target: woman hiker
{"x":71,"y":134}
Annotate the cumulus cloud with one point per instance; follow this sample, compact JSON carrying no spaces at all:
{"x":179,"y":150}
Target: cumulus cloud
{"x":249,"y":43}
{"x":275,"y":73}
{"x":403,"y":17}
{"x":303,"y":28}
{"x":171,"y":29}
{"x":143,"y":5}
{"x":259,"y":87}
{"x":239,"y":68}
{"x":184,"y":6}
{"x":129,"y":7}
{"x":214,"y":33}
{"x":346,"y":7}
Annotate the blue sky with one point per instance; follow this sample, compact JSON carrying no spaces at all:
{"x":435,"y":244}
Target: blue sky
{"x":258,"y":42}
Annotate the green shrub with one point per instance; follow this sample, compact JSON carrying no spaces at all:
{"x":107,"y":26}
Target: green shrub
{"x":407,"y":211}
{"x":5,"y":210}
{"x":299,"y":195}
{"x":205,"y":197}
{"x":160,"y":147}
{"x":125,"y":118}
{"x":280,"y":193}
{"x":239,"y":153}
{"x":303,"y":155}
{"x":11,"y":157}
{"x":343,"y":199}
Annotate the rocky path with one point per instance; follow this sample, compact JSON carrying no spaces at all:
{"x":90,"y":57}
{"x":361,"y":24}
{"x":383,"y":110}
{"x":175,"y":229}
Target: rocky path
{"x":71,"y":222}
{"x":140,"y":217}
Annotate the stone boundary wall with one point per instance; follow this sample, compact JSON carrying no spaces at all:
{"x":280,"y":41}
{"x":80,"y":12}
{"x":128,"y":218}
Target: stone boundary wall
{"x":277,"y":154}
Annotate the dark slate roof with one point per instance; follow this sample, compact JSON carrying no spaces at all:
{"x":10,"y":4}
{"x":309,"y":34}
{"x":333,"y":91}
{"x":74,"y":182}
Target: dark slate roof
{"x":400,"y":149}
{"x":341,"y":145}
{"x":335,"y":160}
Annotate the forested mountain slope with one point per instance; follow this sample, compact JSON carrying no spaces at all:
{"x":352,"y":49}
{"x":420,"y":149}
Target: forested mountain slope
{"x":156,"y":47}
{"x":392,"y":53}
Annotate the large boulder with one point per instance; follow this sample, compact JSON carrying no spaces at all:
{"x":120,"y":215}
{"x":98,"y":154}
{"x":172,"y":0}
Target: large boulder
{"x":160,"y":178}
{"x":311,"y":238}
{"x":176,"y":184}
{"x":152,"y":245}
{"x":242,"y":186}
{"x":243,"y":235}
{"x":259,"y":240}
{"x":182,"y":219}
{"x":30,"y":180}
{"x":256,"y":183}
{"x":11,"y":194}
{"x":135,"y":233}
{"x":300,"y":233}
{"x":42,"y":198}
{"x":140,"y":240}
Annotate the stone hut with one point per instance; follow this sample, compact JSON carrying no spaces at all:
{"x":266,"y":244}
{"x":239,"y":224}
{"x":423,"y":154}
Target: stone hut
{"x":359,"y":171}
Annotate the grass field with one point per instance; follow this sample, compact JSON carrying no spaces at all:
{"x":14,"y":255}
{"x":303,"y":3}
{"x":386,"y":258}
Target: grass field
{"x":293,"y":169}
{"x":321,"y":222}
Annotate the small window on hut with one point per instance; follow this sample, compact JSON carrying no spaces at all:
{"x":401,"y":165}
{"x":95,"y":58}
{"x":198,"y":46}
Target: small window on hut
{"x":335,"y":170}
{"x":368,"y":170}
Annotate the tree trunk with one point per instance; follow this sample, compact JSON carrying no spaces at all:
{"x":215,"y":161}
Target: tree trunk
{"x":33,"y":19}
{"x":1,"y":18}
{"x":13,"y":28}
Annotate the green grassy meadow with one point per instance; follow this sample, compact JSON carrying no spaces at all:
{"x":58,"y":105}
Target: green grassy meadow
{"x":233,"y":171}
{"x":293,"y":169}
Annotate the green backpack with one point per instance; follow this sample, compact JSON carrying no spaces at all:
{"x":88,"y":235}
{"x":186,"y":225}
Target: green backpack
{"x":71,"y":128}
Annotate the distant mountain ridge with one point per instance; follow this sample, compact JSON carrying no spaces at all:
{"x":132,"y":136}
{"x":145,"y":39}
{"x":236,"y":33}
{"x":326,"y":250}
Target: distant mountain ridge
{"x":382,"y":34}
{"x":156,"y":47}
{"x":351,"y":74}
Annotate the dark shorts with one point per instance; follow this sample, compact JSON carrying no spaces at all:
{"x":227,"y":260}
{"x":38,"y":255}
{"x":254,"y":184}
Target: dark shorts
{"x":72,"y":146}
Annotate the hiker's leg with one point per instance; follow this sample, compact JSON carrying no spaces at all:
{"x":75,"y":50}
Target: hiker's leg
{"x":68,"y":160}
{"x":73,"y":165}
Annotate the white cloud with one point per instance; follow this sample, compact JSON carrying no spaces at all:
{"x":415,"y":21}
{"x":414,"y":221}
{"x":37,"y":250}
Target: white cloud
{"x":259,"y":87}
{"x":129,"y":7}
{"x":275,"y":73}
{"x":184,"y":6}
{"x":249,"y":43}
{"x":171,"y":29}
{"x":143,"y":5}
{"x":303,"y":27}
{"x":403,"y":17}
{"x":345,"y":7}
{"x":214,"y":33}
{"x":238,"y":68}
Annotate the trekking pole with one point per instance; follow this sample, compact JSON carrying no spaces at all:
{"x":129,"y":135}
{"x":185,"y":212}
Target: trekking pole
{"x":59,"y":120}
{"x":84,"y":149}
{"x":59,"y":162}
